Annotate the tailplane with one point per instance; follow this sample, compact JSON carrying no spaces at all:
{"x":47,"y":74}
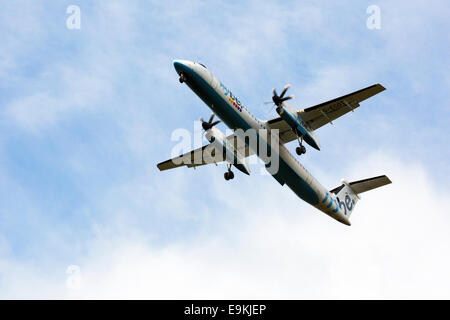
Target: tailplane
{"x":347,"y":194}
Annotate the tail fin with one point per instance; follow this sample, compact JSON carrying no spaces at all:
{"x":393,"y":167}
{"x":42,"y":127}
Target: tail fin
{"x":347,"y":194}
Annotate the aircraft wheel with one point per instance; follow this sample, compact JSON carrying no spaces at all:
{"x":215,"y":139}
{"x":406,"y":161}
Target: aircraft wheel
{"x":300,"y":150}
{"x":182,"y":78}
{"x":226,"y":176}
{"x":231,"y":175}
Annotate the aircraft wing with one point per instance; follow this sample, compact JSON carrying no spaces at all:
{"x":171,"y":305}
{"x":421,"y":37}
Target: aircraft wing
{"x":321,"y":114}
{"x":207,"y":154}
{"x":190,"y":159}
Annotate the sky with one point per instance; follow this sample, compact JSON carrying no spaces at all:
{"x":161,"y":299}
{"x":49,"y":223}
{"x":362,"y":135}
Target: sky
{"x":86,"y":114}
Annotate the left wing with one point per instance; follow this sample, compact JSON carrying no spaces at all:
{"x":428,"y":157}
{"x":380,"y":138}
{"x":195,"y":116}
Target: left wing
{"x":191,"y":159}
{"x":204,"y":155}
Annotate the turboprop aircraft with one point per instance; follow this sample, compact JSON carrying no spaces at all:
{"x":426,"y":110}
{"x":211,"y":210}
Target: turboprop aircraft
{"x":272,"y":135}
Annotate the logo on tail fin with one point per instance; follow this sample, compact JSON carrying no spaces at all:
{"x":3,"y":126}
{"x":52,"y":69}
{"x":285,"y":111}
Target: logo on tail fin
{"x":347,"y":205}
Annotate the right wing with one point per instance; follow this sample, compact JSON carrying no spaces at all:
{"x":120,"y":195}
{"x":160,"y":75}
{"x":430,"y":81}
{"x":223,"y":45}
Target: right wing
{"x":321,"y":114}
{"x":205,"y":155}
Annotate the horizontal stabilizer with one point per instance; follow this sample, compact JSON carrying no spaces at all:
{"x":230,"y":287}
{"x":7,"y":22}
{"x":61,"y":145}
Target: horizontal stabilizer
{"x":369,"y":184}
{"x":347,"y":194}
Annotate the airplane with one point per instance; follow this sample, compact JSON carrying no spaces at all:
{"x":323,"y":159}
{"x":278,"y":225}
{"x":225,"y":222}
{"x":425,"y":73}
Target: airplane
{"x":291,"y":125}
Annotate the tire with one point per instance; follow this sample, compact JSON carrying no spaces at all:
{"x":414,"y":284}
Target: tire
{"x":231,"y":175}
{"x":226,"y":176}
{"x":298,"y":150}
{"x":303,"y":149}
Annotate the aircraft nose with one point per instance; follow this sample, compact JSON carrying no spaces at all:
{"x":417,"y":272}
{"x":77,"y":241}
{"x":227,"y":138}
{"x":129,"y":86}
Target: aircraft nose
{"x":182,"y":66}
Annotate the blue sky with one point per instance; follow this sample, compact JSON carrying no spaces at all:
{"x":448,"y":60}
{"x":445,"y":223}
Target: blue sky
{"x":86,"y":115}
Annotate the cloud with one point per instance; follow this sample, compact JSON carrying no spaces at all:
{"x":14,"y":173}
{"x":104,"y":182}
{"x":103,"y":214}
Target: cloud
{"x":396,"y":248}
{"x":77,"y":89}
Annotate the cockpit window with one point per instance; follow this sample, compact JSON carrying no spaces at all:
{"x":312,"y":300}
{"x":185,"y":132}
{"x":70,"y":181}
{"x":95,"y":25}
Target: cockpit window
{"x":202,"y":65}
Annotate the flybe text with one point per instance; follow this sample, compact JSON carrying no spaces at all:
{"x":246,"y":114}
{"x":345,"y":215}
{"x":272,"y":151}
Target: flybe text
{"x":346,"y":205}
{"x":231,"y":97}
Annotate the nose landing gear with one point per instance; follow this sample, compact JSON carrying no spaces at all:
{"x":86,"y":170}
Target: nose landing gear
{"x":182,"y":78}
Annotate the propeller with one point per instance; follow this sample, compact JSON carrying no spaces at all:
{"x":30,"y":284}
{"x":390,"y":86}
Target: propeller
{"x":208,"y":125}
{"x":279,"y":99}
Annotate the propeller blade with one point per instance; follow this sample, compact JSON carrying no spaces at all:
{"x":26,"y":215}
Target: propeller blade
{"x":214,"y":123}
{"x":287,"y":98}
{"x":274,"y":92}
{"x":211,"y":118}
{"x":284,"y":90}
{"x":277,"y":100}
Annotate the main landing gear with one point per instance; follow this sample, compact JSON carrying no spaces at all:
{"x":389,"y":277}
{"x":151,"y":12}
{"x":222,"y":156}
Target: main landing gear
{"x":229,"y":174}
{"x":182,"y":78}
{"x":300,"y":149}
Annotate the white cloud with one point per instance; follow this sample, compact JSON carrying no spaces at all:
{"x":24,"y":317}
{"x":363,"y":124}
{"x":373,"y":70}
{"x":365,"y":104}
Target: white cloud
{"x":20,"y":31}
{"x":396,"y":248}
{"x":43,"y":109}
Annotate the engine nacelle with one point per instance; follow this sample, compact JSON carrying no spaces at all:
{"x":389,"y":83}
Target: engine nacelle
{"x":290,"y":116}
